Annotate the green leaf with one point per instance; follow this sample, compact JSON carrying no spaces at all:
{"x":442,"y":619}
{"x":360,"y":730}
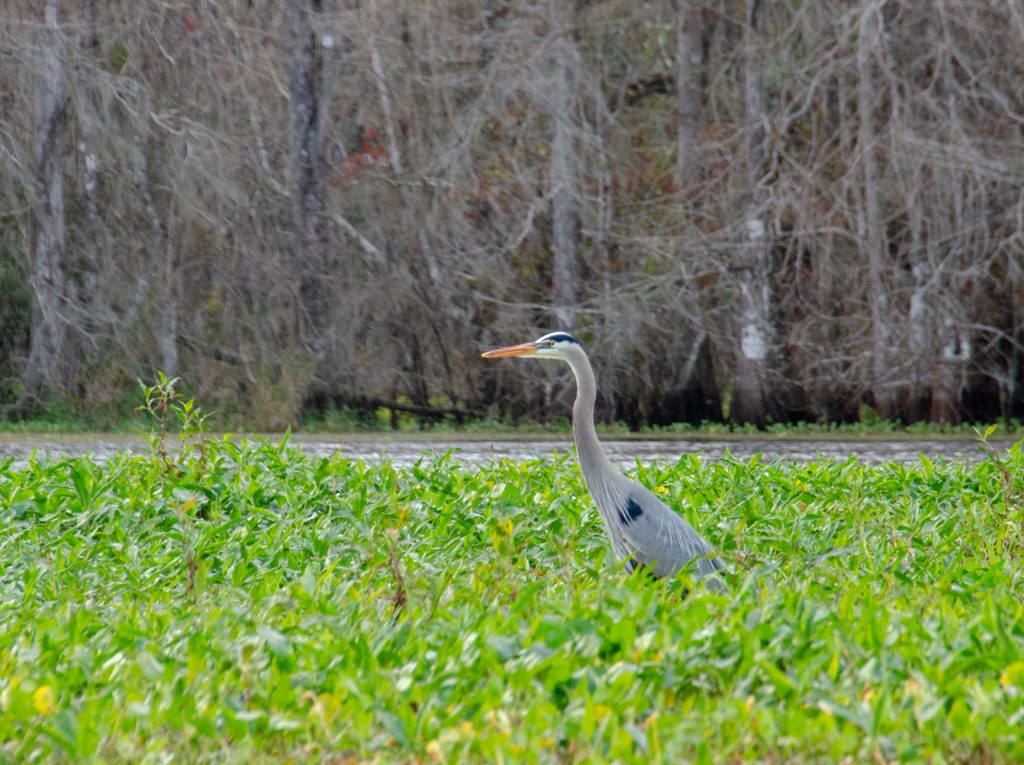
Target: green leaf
{"x":505,"y":646}
{"x":276,"y":643}
{"x":150,"y":665}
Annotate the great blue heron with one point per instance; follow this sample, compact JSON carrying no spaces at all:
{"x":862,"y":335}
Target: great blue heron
{"x":645,"y":532}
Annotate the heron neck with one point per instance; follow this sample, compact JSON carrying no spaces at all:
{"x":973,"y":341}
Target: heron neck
{"x":588,"y":448}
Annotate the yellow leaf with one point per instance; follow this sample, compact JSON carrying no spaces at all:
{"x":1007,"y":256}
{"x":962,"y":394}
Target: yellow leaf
{"x":43,"y":700}
{"x":325,"y":708}
{"x":661,"y":490}
{"x":194,"y":665}
{"x":1013,"y":675}
{"x":188,"y":504}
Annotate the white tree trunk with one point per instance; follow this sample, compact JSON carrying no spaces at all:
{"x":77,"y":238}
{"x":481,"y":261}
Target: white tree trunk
{"x":48,"y":363}
{"x":869,"y":218}
{"x":168,"y":304}
{"x":918,"y":340}
{"x":87,"y":142}
{"x":749,"y":401}
{"x":953,"y":351}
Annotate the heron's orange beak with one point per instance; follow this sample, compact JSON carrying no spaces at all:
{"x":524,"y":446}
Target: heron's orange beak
{"x":513,"y":350}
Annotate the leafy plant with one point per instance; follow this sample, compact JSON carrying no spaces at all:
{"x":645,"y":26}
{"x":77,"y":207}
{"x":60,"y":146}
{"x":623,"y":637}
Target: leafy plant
{"x":170,"y":409}
{"x":340,"y":611}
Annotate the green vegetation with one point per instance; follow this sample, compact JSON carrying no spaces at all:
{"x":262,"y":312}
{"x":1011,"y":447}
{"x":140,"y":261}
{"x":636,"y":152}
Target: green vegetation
{"x":344,"y":420}
{"x":242,"y":602}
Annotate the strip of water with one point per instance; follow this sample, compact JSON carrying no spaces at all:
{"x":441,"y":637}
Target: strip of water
{"x":624,"y":452}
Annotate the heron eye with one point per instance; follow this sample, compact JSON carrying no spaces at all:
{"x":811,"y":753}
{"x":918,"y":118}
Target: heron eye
{"x":551,"y":343}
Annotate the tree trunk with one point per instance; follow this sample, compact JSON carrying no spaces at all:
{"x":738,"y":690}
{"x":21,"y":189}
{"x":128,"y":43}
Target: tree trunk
{"x":919,"y":345}
{"x":945,"y":404}
{"x":168,"y":303}
{"x":918,"y":341}
{"x":87,"y":124}
{"x":750,"y":392}
{"x":565,"y":219}
{"x":161,"y":272}
{"x":48,"y":362}
{"x":307,"y":80}
{"x":91,"y":308}
{"x":869,"y":217}
{"x":689,"y":71}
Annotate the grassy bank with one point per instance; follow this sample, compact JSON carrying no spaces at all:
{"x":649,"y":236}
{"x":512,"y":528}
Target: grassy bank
{"x":246,"y":603}
{"x":128,"y":421}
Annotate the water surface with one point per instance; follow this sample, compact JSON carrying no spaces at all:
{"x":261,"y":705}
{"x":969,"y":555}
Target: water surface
{"x":405,"y":451}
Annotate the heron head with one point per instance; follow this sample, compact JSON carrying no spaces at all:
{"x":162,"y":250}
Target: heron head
{"x":554,"y":345}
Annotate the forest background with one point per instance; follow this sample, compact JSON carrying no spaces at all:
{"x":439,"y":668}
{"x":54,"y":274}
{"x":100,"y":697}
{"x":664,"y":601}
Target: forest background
{"x":752,"y":211}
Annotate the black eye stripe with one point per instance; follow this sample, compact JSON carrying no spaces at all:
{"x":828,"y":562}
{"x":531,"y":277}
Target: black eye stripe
{"x":560,"y":337}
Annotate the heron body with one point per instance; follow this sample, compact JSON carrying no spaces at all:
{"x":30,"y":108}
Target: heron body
{"x":644,"y":531}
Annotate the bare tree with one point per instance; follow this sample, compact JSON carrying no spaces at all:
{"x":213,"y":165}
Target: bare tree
{"x":162,"y":252}
{"x":750,"y":197}
{"x":308,"y":74}
{"x":750,"y":394}
{"x":869,"y":218}
{"x":689,"y":73}
{"x":48,"y":362}
{"x":564,"y":182}
{"x":93,"y":229}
